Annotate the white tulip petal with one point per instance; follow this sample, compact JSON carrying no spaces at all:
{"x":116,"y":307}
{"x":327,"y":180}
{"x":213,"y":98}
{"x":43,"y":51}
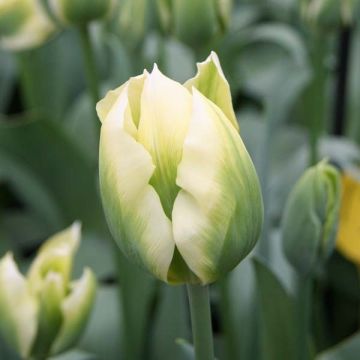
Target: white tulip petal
{"x":211,"y":82}
{"x":133,"y":208}
{"x":18,"y":308}
{"x":164,"y":120}
{"x":56,"y":255}
{"x":134,"y":87}
{"x":76,"y":308}
{"x":217,"y":215}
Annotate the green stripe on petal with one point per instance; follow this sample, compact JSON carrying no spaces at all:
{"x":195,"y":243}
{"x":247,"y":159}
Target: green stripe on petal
{"x":75,"y":309}
{"x":132,"y":206}
{"x":217,"y":215}
{"x":165,"y":115}
{"x":50,"y":316}
{"x":18,"y":308}
{"x":211,"y":82}
{"x":56,"y":255}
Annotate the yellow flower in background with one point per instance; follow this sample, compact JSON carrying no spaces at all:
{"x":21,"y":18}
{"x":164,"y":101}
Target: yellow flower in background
{"x":24,"y":24}
{"x":179,"y":190}
{"x":45,"y":313}
{"x":348,"y":240}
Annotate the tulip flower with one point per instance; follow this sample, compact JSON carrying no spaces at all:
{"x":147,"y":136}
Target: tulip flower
{"x":311,"y":218}
{"x":194,"y":22}
{"x":80,"y":12}
{"x":349,"y":229}
{"x":23,"y":24}
{"x":179,"y":189}
{"x":44,"y":313}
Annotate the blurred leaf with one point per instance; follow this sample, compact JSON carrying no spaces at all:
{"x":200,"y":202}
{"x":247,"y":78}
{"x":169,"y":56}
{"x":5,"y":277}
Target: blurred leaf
{"x":353,"y":127}
{"x":346,"y":350}
{"x":102,"y":336}
{"x":243,"y":308}
{"x":138,"y":294}
{"x":170,"y":323}
{"x":49,"y":173}
{"x":7,"y":77}
{"x":52,"y":75}
{"x":75,"y":355}
{"x":187,"y":349}
{"x":175,"y":53}
{"x":120,"y":66}
{"x":79,"y":120}
{"x":276,"y":314}
{"x":22,"y":229}
{"x":97,"y":253}
{"x":6,"y":352}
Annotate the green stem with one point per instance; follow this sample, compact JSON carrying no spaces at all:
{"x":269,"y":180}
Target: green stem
{"x":90,"y":68}
{"x":304,"y":314}
{"x":228,"y":325}
{"x":315,"y":96}
{"x":264,"y":173}
{"x":201,"y":321}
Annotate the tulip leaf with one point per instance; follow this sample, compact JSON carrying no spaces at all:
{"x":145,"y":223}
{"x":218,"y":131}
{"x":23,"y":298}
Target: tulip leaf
{"x":276,"y":316}
{"x":187,"y":349}
{"x":51,"y":75}
{"x":243,"y":309}
{"x":7,"y":77}
{"x":49,"y":173}
{"x":102,"y":335}
{"x":346,"y":350}
{"x":75,"y":355}
{"x":170,"y":323}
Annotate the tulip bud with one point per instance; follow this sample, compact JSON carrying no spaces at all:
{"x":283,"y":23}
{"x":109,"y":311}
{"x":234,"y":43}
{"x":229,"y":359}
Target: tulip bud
{"x":194,"y":22}
{"x":132,"y":32}
{"x":311,"y":218}
{"x":179,"y":189}
{"x":329,"y":14}
{"x":80,"y":12}
{"x":44,"y":314}
{"x":23,"y":24}
{"x":349,"y":229}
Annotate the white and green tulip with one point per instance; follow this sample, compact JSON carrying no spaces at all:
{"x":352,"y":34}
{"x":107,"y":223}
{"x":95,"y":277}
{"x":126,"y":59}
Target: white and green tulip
{"x":311,"y":218}
{"x":45,"y":313}
{"x":23,"y":24}
{"x":179,"y":189}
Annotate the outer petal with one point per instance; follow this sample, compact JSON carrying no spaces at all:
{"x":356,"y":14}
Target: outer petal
{"x":211,"y":82}
{"x":132,"y":207}
{"x":50,"y":315}
{"x":76,"y":310}
{"x":165,"y":116}
{"x":104,"y":106}
{"x":18,"y":308}
{"x":56,"y":255}
{"x":217,"y":217}
{"x":134,"y":88}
